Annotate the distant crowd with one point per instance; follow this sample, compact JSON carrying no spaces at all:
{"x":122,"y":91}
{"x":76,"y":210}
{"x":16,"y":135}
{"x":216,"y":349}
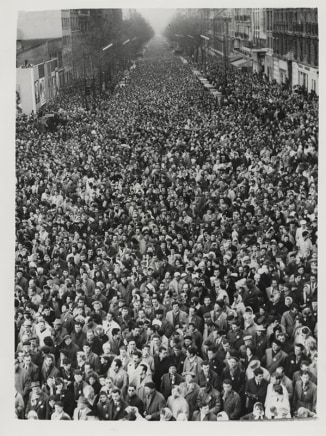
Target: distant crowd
{"x":166,"y":251}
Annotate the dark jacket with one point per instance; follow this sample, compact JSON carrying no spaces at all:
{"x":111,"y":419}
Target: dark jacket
{"x":305,"y":397}
{"x":232,"y":405}
{"x":167,"y":385}
{"x":255,"y":393}
{"x":116,"y":413}
{"x":154,"y":404}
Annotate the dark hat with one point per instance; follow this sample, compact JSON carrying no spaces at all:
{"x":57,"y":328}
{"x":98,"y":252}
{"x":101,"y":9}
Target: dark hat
{"x":78,"y":372}
{"x":26,"y":343}
{"x":35,"y":384}
{"x":227,"y":381}
{"x":67,"y":337}
{"x":150,"y":385}
{"x":277,"y":342}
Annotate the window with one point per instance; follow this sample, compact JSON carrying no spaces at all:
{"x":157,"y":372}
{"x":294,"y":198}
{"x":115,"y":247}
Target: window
{"x":313,"y":85}
{"x":303,"y":79}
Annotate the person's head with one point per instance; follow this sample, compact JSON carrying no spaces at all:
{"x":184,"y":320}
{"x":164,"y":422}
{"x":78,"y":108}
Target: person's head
{"x":172,"y":369}
{"x":103,"y":396}
{"x":116,"y":364}
{"x":58,"y":407}
{"x":48,"y":360}
{"x":191,"y":351}
{"x":278,"y":389}
{"x":258,"y":374}
{"x":116,"y":395}
{"x":233,"y":362}
{"x":258,"y":409}
{"x":163,"y":352}
{"x":305,"y":377}
{"x":276,"y":345}
{"x":203,"y":407}
{"x":131,"y":390}
{"x":227,"y":385}
{"x":298,"y":349}
{"x":136,"y":357}
{"x":149,"y":388}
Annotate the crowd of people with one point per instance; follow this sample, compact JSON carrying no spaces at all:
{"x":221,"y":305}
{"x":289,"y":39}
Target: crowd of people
{"x":166,"y":251}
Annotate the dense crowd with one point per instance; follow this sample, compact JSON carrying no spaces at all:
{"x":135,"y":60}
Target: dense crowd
{"x":166,"y":251}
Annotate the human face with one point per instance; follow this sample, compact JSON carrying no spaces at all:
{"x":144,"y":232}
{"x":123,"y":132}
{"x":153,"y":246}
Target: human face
{"x":227,"y":387}
{"x":131,"y":391}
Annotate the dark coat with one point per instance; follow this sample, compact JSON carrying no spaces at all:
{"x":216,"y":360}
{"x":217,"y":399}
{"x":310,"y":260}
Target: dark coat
{"x":161,"y":368}
{"x":212,"y":378}
{"x":40,"y":407}
{"x":255,"y":393}
{"x":291,"y":366}
{"x":232,"y":405}
{"x":237,"y":379}
{"x":154,"y":404}
{"x":115,"y":414}
{"x":271,"y":363}
{"x":166,"y":384}
{"x":305,"y":397}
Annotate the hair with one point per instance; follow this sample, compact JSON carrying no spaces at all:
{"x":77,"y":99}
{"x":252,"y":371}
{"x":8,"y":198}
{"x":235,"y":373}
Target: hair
{"x":115,"y":331}
{"x":118,"y":362}
{"x":116,"y":391}
{"x":192,"y":350}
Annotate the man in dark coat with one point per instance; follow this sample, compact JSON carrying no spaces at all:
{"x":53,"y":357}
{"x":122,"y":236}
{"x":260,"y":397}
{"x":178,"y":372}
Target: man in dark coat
{"x":117,"y":406}
{"x":305,"y":393}
{"x":132,"y":399}
{"x":256,"y":389}
{"x":231,"y":401}
{"x":293,"y":360}
{"x":169,"y":380}
{"x":161,"y":365}
{"x":37,"y":401}
{"x":235,"y":374}
{"x":154,"y":402}
{"x":206,"y":375}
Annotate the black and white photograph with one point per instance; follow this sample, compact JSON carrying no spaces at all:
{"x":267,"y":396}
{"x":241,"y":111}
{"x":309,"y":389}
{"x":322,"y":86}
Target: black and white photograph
{"x":165,"y":215}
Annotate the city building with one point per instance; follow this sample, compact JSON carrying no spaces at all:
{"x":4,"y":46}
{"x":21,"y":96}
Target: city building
{"x":295,"y":47}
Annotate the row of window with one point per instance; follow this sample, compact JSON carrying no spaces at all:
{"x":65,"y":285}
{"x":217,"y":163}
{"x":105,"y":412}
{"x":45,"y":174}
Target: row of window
{"x":66,"y":40}
{"x":303,"y":49}
{"x":65,"y":22}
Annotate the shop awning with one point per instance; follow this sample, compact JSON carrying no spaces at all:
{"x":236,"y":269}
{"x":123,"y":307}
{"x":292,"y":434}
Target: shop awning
{"x":242,"y":63}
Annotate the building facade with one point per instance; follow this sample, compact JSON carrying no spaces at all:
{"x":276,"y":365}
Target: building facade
{"x":281,"y":43}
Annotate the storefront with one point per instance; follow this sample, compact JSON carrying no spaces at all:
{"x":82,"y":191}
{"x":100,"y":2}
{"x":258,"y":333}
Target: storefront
{"x":258,"y":58}
{"x":305,"y":76}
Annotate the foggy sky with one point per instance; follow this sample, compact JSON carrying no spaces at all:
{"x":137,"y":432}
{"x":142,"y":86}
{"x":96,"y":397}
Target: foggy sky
{"x":158,"y":18}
